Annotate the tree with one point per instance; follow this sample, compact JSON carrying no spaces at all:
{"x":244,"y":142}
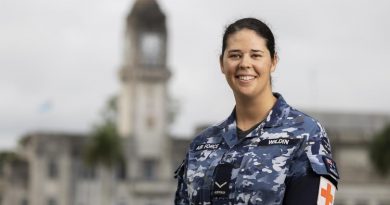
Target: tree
{"x":105,"y":143}
{"x":7,"y":157}
{"x":380,"y":152}
{"x":105,"y":148}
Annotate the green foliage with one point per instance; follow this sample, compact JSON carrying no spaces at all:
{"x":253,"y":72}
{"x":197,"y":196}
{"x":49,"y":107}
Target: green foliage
{"x":7,"y":157}
{"x":105,"y":143}
{"x":380,"y":151}
{"x":105,"y":146}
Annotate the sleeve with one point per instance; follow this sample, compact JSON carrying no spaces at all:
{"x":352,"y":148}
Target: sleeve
{"x":302,"y":189}
{"x":315,"y":155}
{"x":312,"y":165}
{"x":181,"y":195}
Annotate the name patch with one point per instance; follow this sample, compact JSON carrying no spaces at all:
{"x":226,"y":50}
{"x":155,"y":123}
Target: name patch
{"x":211,"y":146}
{"x":278,"y":141}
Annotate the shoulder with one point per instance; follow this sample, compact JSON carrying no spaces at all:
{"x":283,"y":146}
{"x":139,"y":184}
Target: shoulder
{"x":305,"y":123}
{"x":312,"y":130}
{"x":317,"y":146}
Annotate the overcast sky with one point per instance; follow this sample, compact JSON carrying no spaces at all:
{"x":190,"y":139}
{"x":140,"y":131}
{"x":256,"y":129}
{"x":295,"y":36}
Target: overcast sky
{"x":59,"y":59}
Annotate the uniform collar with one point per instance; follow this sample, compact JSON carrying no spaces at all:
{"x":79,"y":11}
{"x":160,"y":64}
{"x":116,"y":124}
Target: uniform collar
{"x":274,"y":119}
{"x":278,"y":112}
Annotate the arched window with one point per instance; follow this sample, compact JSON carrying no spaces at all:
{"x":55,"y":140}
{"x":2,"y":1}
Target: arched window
{"x":150,"y":49}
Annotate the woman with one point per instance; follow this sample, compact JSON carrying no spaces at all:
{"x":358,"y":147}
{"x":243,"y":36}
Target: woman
{"x":265,"y":152}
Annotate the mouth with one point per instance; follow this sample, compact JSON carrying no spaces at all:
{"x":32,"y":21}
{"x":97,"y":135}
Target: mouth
{"x":245,"y":78}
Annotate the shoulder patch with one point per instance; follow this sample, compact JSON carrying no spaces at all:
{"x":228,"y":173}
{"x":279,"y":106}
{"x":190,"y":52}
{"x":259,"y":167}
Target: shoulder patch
{"x":331,"y":166}
{"x":326,"y":192}
{"x":324,"y":166}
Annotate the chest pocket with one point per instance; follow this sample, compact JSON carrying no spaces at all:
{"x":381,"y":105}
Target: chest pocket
{"x":264,"y":168}
{"x":202,"y":161}
{"x":270,"y":155}
{"x":199,"y":163}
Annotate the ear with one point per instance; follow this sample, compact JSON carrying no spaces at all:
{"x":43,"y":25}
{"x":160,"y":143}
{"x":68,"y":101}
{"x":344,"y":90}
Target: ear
{"x":274,"y":62}
{"x":221,"y":63}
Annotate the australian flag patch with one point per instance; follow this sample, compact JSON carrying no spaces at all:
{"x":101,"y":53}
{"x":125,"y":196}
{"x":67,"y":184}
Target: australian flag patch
{"x":331,"y":167}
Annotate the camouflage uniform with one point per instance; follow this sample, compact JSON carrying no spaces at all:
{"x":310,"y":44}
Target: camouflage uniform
{"x":287,"y":143}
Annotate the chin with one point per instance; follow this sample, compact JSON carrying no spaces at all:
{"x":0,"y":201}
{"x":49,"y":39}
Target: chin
{"x":246,"y":93}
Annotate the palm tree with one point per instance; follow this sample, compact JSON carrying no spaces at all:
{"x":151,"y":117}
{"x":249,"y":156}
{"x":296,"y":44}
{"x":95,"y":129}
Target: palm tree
{"x":380,"y":152}
{"x":104,"y":148}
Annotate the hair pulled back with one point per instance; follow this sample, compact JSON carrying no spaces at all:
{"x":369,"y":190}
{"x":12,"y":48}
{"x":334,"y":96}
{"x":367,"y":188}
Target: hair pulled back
{"x":255,"y":25}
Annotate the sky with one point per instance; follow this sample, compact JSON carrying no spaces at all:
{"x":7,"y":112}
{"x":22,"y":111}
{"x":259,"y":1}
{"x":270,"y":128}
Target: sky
{"x":59,"y":60}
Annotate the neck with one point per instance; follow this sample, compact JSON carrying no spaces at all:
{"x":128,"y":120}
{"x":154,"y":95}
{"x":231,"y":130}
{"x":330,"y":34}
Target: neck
{"x":250,"y":111}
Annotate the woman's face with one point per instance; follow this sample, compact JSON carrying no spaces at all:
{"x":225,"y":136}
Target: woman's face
{"x":247,"y":64}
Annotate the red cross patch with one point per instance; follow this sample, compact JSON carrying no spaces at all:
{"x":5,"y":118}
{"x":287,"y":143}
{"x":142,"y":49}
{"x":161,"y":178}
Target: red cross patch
{"x":326,"y":192}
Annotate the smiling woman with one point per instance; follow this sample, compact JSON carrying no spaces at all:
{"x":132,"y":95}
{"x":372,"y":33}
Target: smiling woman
{"x":265,"y":152}
{"x":247,"y":65}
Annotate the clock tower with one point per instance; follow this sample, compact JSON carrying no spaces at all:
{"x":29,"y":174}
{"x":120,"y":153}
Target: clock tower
{"x":142,"y":105}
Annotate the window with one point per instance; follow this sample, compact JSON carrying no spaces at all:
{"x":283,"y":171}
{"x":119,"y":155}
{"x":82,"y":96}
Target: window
{"x":339,"y":202}
{"x":362,"y":202}
{"x":52,"y":169}
{"x":121,"y":171}
{"x":121,"y":203}
{"x":86,"y":172}
{"x":51,"y":201}
{"x":150,"y":122}
{"x":149,"y":169}
{"x":23,"y":202}
{"x":384,"y":202}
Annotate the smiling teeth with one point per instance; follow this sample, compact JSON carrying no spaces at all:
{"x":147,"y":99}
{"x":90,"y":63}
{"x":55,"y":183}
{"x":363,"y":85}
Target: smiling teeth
{"x":246,"y":77}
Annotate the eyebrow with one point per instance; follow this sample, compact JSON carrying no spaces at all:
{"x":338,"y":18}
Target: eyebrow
{"x":252,"y":50}
{"x":234,"y":50}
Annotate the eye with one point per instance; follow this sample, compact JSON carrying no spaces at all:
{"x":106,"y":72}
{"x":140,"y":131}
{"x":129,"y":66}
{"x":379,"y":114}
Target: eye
{"x":255,"y":55}
{"x":234,"y":56}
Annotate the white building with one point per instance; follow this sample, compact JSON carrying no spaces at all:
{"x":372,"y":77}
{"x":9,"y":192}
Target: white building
{"x":143,"y":106}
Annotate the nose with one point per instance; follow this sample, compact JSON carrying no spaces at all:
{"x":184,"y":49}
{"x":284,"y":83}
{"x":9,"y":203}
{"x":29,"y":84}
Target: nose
{"x":245,"y":62}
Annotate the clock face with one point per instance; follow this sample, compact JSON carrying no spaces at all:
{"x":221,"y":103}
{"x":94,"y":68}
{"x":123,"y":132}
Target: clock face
{"x":150,"y":49}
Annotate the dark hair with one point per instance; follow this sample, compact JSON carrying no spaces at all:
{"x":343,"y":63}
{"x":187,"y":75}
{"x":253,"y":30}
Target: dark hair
{"x":255,"y":25}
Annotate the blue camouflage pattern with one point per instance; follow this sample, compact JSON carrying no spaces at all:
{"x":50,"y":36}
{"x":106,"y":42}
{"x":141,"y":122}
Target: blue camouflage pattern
{"x":259,"y":170}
